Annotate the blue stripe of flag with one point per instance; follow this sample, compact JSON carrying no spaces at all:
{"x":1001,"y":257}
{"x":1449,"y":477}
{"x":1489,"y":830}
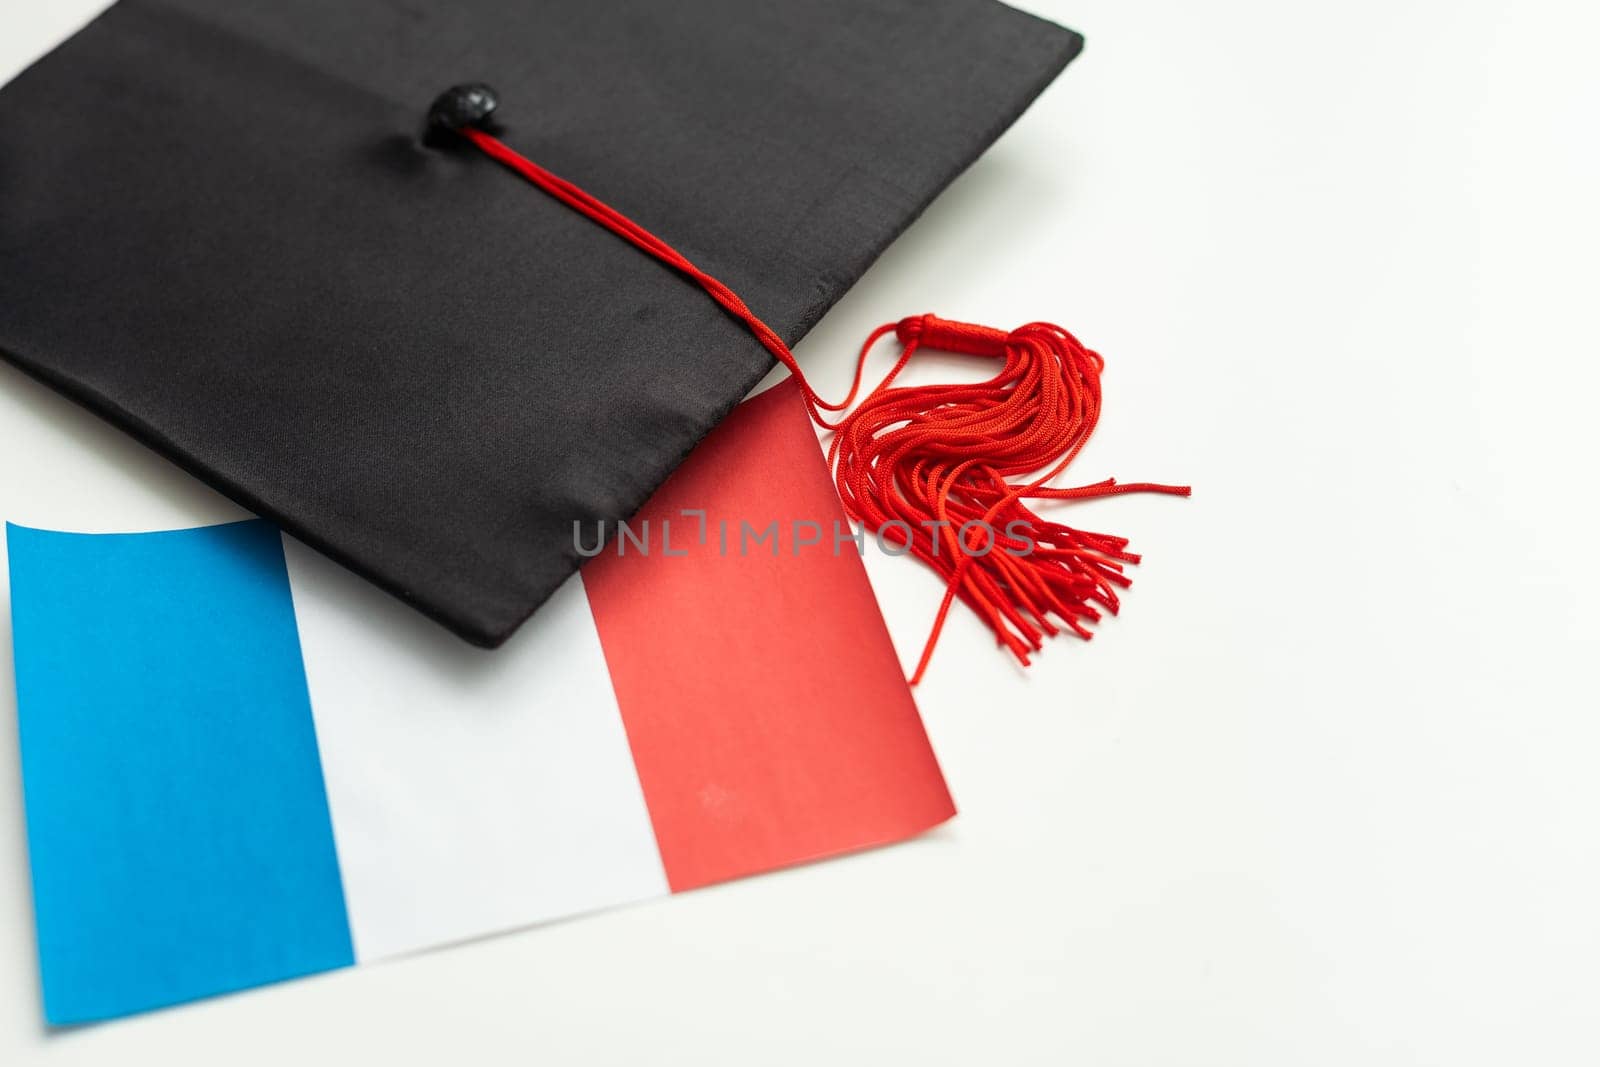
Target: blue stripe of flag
{"x":178,"y":826}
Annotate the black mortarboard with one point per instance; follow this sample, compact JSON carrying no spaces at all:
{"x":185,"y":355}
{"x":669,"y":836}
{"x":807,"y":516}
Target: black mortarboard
{"x":223,"y":228}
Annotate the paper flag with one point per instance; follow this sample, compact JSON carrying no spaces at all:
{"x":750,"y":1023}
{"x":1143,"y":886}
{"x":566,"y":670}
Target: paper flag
{"x":242,"y":764}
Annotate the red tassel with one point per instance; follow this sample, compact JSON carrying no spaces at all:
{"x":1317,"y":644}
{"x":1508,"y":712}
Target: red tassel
{"x":947,"y":469}
{"x":944,"y":470}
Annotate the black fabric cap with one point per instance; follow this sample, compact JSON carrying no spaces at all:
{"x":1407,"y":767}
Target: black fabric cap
{"x":221,"y":228}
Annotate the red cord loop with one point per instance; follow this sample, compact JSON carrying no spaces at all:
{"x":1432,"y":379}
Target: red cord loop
{"x":942,"y":471}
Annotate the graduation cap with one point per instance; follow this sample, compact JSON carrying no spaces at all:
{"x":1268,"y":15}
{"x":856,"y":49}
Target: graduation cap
{"x":263,"y":241}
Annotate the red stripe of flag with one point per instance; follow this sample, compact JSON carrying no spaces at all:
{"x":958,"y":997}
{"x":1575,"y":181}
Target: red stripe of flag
{"x":764,"y":703}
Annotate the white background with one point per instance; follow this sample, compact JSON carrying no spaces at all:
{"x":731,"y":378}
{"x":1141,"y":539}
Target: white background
{"x":1325,"y":794}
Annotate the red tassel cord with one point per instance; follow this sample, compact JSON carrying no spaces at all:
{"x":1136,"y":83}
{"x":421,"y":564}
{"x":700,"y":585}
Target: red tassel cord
{"x":945,"y":471}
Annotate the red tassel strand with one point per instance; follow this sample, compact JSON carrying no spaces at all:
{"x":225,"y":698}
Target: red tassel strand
{"x":943,"y":471}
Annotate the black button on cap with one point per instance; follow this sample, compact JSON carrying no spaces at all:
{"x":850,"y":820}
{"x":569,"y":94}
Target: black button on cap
{"x":461,"y":106}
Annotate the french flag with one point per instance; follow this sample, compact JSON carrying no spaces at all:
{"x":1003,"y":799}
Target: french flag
{"x":243,"y":764}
